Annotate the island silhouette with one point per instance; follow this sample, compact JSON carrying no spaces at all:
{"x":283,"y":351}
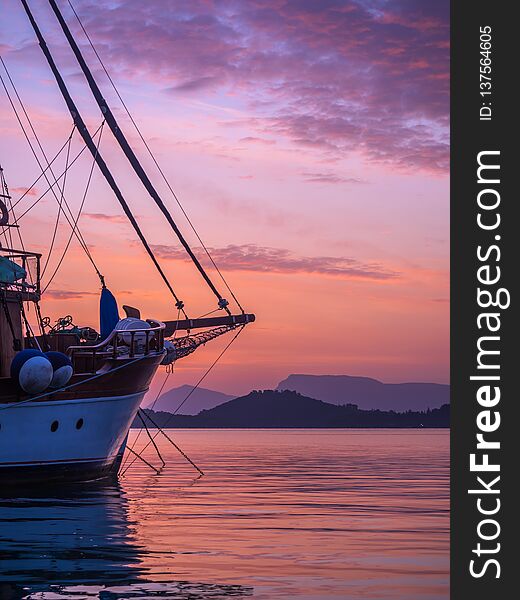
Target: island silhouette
{"x":290,"y":409}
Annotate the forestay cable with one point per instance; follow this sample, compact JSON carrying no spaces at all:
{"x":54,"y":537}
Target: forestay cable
{"x":130,"y":154}
{"x":165,"y":179}
{"x":85,"y":134}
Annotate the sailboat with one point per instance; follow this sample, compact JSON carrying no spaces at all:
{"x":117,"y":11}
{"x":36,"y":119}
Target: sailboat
{"x":69,"y":394}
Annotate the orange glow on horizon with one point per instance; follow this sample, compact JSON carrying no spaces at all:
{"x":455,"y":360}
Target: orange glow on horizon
{"x":326,"y":205}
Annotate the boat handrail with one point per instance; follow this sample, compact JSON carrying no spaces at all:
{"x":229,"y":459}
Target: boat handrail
{"x":109,"y":347}
{"x":21,"y":271}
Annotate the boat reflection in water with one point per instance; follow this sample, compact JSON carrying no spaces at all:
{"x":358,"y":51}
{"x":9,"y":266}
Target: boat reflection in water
{"x":80,"y":544}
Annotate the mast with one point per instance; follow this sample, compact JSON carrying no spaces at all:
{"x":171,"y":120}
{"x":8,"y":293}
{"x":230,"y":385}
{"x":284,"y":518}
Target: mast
{"x":89,"y":142}
{"x":129,"y":153}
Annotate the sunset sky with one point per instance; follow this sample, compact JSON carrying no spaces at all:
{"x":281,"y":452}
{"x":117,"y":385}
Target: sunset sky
{"x":308,"y":142}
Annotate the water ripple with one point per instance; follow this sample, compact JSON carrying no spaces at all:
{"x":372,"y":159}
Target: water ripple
{"x":303,"y":514}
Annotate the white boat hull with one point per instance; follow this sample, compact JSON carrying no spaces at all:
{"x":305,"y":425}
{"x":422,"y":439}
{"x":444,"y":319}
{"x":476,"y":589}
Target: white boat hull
{"x":71,"y":439}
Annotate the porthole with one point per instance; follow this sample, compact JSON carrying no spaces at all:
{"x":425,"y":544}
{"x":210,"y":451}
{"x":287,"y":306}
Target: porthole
{"x":54,"y":426}
{"x":79,"y":423}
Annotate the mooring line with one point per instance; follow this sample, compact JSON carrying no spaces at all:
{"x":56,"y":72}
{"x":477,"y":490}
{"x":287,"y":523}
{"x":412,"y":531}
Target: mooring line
{"x":145,"y":461}
{"x":172,"y":442}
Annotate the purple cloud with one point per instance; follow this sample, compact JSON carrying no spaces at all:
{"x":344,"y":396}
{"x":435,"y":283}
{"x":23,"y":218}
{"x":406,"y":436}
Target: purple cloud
{"x":193,"y":85}
{"x":257,"y":140}
{"x":330,"y":178}
{"x":23,"y":191}
{"x":250,"y":257}
{"x":337,"y":76}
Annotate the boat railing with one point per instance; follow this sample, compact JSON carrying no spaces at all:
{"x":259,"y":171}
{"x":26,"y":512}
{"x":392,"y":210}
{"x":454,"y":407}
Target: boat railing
{"x":20,"y":270}
{"x":127,"y":343}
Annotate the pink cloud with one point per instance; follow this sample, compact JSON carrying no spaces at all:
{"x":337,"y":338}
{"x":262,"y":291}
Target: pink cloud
{"x":68,"y":294}
{"x":256,"y":140}
{"x":104,"y":217}
{"x":250,"y":257}
{"x":23,"y":191}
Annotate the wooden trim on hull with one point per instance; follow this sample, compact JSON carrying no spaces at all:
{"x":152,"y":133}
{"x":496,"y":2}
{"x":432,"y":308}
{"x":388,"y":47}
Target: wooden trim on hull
{"x":136,"y":378}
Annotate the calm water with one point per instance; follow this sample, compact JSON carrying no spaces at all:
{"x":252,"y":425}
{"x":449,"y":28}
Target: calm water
{"x":303,"y":515}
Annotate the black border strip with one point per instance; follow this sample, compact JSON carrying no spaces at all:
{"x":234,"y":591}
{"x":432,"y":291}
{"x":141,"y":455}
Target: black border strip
{"x":470,"y":136}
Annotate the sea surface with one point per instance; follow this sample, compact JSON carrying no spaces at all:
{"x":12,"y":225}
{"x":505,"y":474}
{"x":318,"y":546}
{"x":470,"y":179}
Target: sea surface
{"x":278,"y":514}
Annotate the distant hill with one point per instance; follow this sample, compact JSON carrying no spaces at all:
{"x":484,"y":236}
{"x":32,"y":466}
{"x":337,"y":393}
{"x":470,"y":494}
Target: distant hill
{"x":368,"y":393}
{"x":200,"y":399}
{"x":272,"y":409}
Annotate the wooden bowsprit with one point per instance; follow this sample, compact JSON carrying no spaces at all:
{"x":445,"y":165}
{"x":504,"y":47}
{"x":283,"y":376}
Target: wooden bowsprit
{"x":206,"y":322}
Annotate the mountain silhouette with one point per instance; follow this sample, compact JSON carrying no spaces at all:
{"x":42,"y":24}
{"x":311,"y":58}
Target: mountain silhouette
{"x":200,"y":399}
{"x":287,"y":409}
{"x":368,"y":393}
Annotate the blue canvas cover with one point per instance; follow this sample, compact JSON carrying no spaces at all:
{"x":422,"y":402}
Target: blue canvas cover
{"x":10,"y":271}
{"x":108,"y":313}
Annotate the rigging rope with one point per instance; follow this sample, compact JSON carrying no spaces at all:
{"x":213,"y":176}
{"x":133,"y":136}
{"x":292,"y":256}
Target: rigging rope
{"x":101,"y":278}
{"x":87,"y":138}
{"x":51,"y":247}
{"x":161,"y":430}
{"x":130,"y":154}
{"x":165,"y":179}
{"x":27,"y":191}
{"x":78,"y":233}
{"x":138,"y":456}
{"x":206,"y":373}
{"x":37,"y":140}
{"x":169,"y":371}
{"x":41,"y":325}
{"x":17,"y":343}
{"x":28,"y":328}
{"x":10,"y":224}
{"x":43,"y":194}
{"x":134,"y":443}
{"x":6,"y":196}
{"x":140,"y":413}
